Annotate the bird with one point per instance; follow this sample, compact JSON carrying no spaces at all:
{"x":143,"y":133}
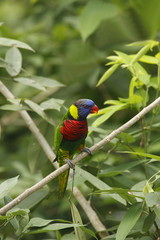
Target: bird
{"x":70,"y":137}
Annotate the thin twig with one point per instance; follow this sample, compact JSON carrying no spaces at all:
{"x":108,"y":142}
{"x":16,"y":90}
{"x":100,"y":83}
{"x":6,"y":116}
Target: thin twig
{"x":31,"y":125}
{"x":43,"y":142}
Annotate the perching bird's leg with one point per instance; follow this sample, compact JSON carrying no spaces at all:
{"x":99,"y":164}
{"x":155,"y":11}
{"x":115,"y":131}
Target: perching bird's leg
{"x":69,"y":162}
{"x":87,"y":150}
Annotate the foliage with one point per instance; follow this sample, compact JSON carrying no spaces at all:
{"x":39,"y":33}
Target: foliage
{"x":43,"y":62}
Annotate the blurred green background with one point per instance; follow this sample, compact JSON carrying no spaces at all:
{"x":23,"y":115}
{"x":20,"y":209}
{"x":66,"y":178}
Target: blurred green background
{"x":71,"y":40}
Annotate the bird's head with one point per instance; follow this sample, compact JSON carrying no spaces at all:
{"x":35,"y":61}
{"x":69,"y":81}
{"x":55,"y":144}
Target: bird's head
{"x":82,"y":107}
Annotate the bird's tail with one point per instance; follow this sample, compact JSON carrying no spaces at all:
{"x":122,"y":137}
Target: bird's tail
{"x":63,"y":177}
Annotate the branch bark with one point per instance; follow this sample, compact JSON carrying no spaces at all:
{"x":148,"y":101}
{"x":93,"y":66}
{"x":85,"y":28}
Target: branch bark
{"x":51,"y":155}
{"x":31,"y":125}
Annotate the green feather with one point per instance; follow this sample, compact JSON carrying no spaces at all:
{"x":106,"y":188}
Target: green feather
{"x":63,"y":178}
{"x":58,"y":134}
{"x":65,"y":149}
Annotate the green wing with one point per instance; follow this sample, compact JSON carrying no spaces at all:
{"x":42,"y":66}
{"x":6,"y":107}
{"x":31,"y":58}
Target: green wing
{"x":57,"y":138}
{"x":61,"y":156}
{"x":58,"y":134}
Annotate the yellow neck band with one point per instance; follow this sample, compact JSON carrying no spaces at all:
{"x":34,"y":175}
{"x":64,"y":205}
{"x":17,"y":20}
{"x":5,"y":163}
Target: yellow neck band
{"x":74,"y":111}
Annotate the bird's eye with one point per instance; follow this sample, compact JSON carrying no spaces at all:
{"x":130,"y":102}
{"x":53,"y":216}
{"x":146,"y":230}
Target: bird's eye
{"x":85,"y":106}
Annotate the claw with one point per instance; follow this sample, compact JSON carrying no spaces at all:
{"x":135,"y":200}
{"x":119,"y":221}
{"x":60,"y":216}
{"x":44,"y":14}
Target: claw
{"x":69,"y":162}
{"x":87,"y":150}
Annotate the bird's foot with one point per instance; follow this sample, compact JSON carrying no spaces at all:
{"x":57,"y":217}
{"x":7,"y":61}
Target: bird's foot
{"x":87,"y":150}
{"x":70,"y":163}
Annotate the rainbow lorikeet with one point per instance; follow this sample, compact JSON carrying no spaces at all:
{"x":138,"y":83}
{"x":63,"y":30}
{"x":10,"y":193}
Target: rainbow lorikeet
{"x":70,"y":136}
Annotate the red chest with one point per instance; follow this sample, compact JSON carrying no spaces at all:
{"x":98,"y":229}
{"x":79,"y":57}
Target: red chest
{"x":74,"y":130}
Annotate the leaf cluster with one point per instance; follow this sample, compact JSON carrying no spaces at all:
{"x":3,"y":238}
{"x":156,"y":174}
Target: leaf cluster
{"x":122,"y":180}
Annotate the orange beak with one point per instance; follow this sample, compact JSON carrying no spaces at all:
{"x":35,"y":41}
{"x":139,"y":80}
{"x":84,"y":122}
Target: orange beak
{"x":94,"y":109}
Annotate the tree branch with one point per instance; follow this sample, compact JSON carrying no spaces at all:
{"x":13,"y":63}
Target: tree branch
{"x":31,"y":125}
{"x":49,"y":153}
{"x":57,"y":172}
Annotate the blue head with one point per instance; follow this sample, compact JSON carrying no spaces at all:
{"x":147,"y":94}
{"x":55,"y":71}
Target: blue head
{"x":82,"y":107}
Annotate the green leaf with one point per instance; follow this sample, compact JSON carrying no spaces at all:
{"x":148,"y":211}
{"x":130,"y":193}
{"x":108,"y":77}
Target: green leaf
{"x":153,"y":82}
{"x":123,"y":57}
{"x":58,"y":236}
{"x":38,"y":222}
{"x":126,"y":138}
{"x":142,"y":154}
{"x":52,"y":103}
{"x":14,"y":222}
{"x":118,"y":190}
{"x":30,"y":82}
{"x":14,"y":43}
{"x":11,"y":107}
{"x":141,"y":52}
{"x":16,"y":101}
{"x":140,"y":73}
{"x":148,"y":187}
{"x":69,"y":236}
{"x":2,"y":63}
{"x":144,"y":96}
{"x":152,"y":43}
{"x":133,"y":98}
{"x":4,"y":217}
{"x":129,"y":221}
{"x":109,"y":112}
{"x":113,"y":102}
{"x":112,"y":171}
{"x":33,"y":199}
{"x":89,"y":231}
{"x":7,"y":185}
{"x":36,"y":108}
{"x":107,"y":74}
{"x":53,"y":227}
{"x":40,"y":83}
{"x":16,"y":211}
{"x":137,"y":70}
{"x":77,"y":220}
{"x":129,"y":195}
{"x":13,"y":61}
{"x":156,"y":209}
{"x":148,"y":221}
{"x":99,"y":184}
{"x":23,"y":222}
{"x":152,"y":198}
{"x":93,"y":14}
{"x":47,"y":82}
{"x":16,"y":105}
{"x":148,"y":59}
